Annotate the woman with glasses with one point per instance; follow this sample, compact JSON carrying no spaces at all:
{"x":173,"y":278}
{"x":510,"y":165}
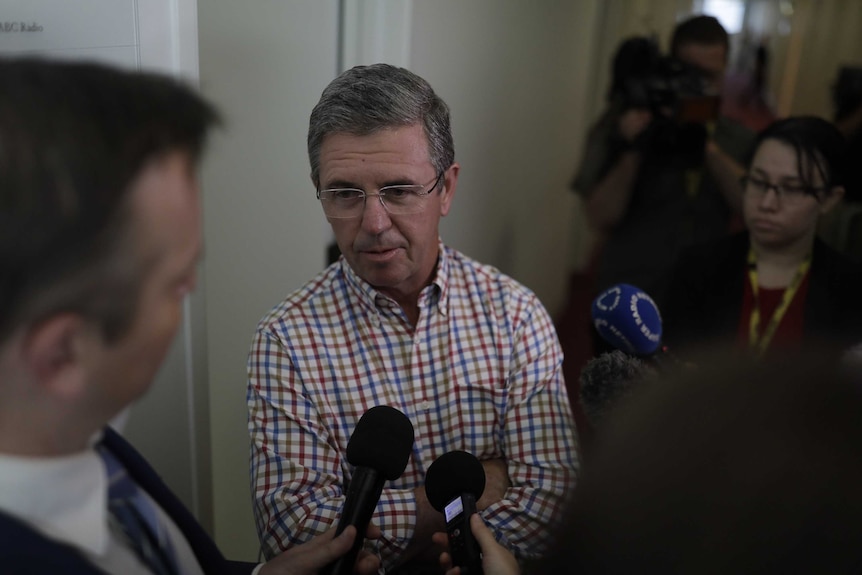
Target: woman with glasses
{"x":774,"y":286}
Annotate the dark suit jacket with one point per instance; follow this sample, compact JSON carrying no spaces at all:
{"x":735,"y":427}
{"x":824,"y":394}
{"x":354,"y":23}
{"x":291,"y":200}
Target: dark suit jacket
{"x":705,"y":298}
{"x":25,"y":551}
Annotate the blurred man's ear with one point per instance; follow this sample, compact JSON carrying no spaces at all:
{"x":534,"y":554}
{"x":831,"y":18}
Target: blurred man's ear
{"x":53,"y":350}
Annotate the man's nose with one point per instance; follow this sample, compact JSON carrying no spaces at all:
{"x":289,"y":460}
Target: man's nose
{"x":375,"y":218}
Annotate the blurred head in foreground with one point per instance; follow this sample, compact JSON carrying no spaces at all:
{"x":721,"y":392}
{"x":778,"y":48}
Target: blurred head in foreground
{"x":100,"y":232}
{"x":736,"y":467}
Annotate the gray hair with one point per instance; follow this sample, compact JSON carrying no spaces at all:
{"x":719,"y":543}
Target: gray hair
{"x":365,"y":99}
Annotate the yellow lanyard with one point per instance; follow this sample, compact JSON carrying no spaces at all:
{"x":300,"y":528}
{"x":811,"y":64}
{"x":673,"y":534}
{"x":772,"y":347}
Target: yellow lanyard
{"x":755,"y":341}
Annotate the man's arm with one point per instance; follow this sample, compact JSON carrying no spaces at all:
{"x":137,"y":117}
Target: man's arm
{"x":496,"y":483}
{"x":430,"y":521}
{"x":427,"y":522}
{"x":606,"y":200}
{"x":606,"y":203}
{"x":297,"y":463}
{"x":296,"y":474}
{"x":539,"y":439}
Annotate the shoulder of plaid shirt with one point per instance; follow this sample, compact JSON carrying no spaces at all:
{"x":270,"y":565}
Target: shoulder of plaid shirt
{"x":510,"y":401}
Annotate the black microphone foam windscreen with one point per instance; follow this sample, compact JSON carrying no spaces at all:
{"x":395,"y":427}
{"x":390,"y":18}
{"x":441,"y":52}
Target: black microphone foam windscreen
{"x":452,"y":475}
{"x":606,"y":379}
{"x":382,"y":440}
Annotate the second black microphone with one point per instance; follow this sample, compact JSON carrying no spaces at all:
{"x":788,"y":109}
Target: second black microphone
{"x":453,"y":484}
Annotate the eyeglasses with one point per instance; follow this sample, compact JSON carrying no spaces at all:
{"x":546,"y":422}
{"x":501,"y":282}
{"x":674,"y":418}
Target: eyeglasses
{"x":785,"y":192}
{"x":397,"y":200}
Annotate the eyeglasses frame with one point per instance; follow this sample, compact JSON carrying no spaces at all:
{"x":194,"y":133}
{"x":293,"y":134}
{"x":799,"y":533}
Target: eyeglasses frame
{"x":381,"y":193}
{"x":779,"y":193}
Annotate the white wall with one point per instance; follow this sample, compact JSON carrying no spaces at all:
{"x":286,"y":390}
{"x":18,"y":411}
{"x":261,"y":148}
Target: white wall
{"x":264,"y":63}
{"x":515,"y":75}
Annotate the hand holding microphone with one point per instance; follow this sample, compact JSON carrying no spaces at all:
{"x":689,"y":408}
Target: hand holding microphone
{"x":453,"y":484}
{"x":379,"y":449}
{"x":496,"y":559}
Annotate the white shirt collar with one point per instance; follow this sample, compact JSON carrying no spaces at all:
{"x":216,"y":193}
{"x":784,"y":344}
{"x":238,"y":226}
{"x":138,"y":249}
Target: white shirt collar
{"x":64,"y":498}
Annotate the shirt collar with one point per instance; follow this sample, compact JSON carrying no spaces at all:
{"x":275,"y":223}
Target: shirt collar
{"x":64,"y":498}
{"x":437,"y":291}
{"x":441,"y":280}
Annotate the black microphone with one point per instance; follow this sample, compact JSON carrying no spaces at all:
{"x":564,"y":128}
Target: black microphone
{"x":379,"y":449}
{"x":609,"y":377}
{"x":453,"y":483}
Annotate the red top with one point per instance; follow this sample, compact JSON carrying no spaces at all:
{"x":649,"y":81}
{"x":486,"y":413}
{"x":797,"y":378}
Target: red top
{"x":790,"y":330}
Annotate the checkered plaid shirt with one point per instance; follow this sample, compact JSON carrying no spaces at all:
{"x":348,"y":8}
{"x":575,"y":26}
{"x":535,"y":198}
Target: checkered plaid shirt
{"x":481,"y":372}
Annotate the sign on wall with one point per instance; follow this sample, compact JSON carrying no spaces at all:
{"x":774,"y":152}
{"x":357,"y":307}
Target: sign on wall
{"x":103,"y":30}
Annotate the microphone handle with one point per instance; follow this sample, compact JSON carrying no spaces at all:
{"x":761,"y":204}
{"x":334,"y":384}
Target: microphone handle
{"x":363,"y":493}
{"x":463,"y":547}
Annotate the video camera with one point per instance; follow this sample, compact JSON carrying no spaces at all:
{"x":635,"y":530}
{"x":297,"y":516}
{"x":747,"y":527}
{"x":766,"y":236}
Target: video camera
{"x":676,"y":94}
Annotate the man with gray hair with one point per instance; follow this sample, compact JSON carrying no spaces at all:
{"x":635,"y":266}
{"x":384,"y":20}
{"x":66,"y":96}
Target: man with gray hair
{"x":467,"y":353}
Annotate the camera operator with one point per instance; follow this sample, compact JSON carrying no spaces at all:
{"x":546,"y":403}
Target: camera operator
{"x":661,"y":168}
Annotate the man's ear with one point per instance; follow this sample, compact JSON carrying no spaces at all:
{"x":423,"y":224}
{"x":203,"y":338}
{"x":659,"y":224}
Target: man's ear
{"x":450,"y":182}
{"x":53,"y":351}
